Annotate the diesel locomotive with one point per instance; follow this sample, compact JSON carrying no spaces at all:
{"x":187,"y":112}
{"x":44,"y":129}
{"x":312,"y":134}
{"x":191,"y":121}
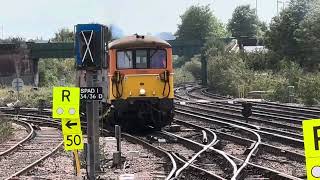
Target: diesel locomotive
{"x":137,"y":82}
{"x":140,"y":82}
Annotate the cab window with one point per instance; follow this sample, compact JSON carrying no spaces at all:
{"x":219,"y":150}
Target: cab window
{"x":124,"y":60}
{"x":141,"y":59}
{"x":158,"y":59}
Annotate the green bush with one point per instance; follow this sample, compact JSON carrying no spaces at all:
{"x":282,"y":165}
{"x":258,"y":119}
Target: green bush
{"x":28,"y":97}
{"x":178,"y":61}
{"x":227,"y":72}
{"x":5,"y":129}
{"x":309,"y":89}
{"x":194,"y":67}
{"x":261,"y":60}
{"x":52,"y":71}
{"x":181,"y":76}
{"x":291,"y":71}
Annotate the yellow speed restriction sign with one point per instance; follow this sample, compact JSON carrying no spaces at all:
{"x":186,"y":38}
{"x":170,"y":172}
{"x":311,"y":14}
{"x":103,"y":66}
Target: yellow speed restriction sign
{"x":73,"y":142}
{"x":72,"y":134}
{"x":311,"y":137}
{"x":66,"y":102}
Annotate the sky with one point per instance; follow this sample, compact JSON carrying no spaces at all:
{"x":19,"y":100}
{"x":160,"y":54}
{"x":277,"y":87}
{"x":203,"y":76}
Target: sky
{"x":33,"y":19}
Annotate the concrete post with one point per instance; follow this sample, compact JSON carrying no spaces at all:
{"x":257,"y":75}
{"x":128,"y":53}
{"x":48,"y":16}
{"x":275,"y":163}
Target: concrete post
{"x":35,"y":72}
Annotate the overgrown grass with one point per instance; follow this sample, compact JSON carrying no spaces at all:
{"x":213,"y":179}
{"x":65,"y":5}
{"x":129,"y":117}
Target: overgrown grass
{"x":228,"y":72}
{"x":5,"y":129}
{"x":29,"y":97}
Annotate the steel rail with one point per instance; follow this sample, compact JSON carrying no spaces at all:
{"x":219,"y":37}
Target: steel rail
{"x":225,"y":156}
{"x":29,"y":136}
{"x":232,"y":117}
{"x":245,"y":163}
{"x":197,"y":168}
{"x":275,"y":107}
{"x":149,"y":146}
{"x":278,"y":174}
{"x":48,"y":121}
{"x":35,"y":163}
{"x":234,"y":122}
{"x":187,"y":164}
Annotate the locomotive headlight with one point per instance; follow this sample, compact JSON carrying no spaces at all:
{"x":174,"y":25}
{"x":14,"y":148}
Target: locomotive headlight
{"x":142,"y":92}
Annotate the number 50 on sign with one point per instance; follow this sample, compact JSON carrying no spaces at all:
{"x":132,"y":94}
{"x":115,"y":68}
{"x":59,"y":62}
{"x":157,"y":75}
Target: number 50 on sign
{"x":73,"y":141}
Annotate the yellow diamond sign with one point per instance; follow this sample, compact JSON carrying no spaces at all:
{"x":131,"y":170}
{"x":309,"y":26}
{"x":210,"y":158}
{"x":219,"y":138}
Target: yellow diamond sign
{"x":66,"y":102}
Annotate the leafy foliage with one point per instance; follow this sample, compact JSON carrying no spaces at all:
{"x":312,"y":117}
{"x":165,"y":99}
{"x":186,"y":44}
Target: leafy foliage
{"x":261,"y":60}
{"x":226,"y":73}
{"x":244,"y":22}
{"x":58,"y":71}
{"x":308,"y":38}
{"x":178,"y":61}
{"x":28,"y":97}
{"x":213,"y":45}
{"x":197,"y":23}
{"x":308,"y":89}
{"x":182,"y":76}
{"x":282,"y":36}
{"x":54,"y":71}
{"x":194,"y":67}
{"x":63,"y":35}
{"x":5,"y":129}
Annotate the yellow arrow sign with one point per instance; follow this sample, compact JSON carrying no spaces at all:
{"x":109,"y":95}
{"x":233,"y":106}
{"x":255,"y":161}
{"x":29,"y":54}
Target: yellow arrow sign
{"x":72,"y":134}
{"x":71,"y":126}
{"x":66,"y":102}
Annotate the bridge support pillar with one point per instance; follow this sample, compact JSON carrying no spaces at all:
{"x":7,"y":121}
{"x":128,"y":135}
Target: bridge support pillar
{"x":35,"y":72}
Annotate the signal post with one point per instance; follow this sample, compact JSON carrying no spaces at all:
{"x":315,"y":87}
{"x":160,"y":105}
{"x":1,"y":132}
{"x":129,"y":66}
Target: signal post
{"x":91,"y":40}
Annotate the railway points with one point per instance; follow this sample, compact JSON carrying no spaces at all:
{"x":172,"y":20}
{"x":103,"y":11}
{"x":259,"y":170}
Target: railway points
{"x":273,"y":158}
{"x":126,"y":119}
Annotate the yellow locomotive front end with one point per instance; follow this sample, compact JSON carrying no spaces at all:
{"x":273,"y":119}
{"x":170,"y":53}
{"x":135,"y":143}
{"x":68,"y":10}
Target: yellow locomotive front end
{"x":140,"y":81}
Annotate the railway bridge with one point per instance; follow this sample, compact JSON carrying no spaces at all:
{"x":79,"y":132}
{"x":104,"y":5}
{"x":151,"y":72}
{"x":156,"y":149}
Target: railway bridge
{"x":22,"y":59}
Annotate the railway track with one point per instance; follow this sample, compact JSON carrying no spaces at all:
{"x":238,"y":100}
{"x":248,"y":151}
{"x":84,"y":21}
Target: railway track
{"x":272,"y":108}
{"x":235,"y":139}
{"x":34,"y":155}
{"x":234,"y":149}
{"x":281,"y":149}
{"x":30,"y":152}
{"x":22,"y":132}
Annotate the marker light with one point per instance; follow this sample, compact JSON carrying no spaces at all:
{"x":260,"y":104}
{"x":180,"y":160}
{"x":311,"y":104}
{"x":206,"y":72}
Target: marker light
{"x":142,"y":92}
{"x":315,"y":171}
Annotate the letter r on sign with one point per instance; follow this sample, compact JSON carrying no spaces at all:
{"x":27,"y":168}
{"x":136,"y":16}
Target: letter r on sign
{"x":65,"y":94}
{"x":316,"y":137}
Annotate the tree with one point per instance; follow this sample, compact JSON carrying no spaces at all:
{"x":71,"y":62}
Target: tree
{"x":197,"y":23}
{"x":282,"y":36}
{"x":308,"y":38}
{"x":63,"y":35}
{"x":244,"y":22}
